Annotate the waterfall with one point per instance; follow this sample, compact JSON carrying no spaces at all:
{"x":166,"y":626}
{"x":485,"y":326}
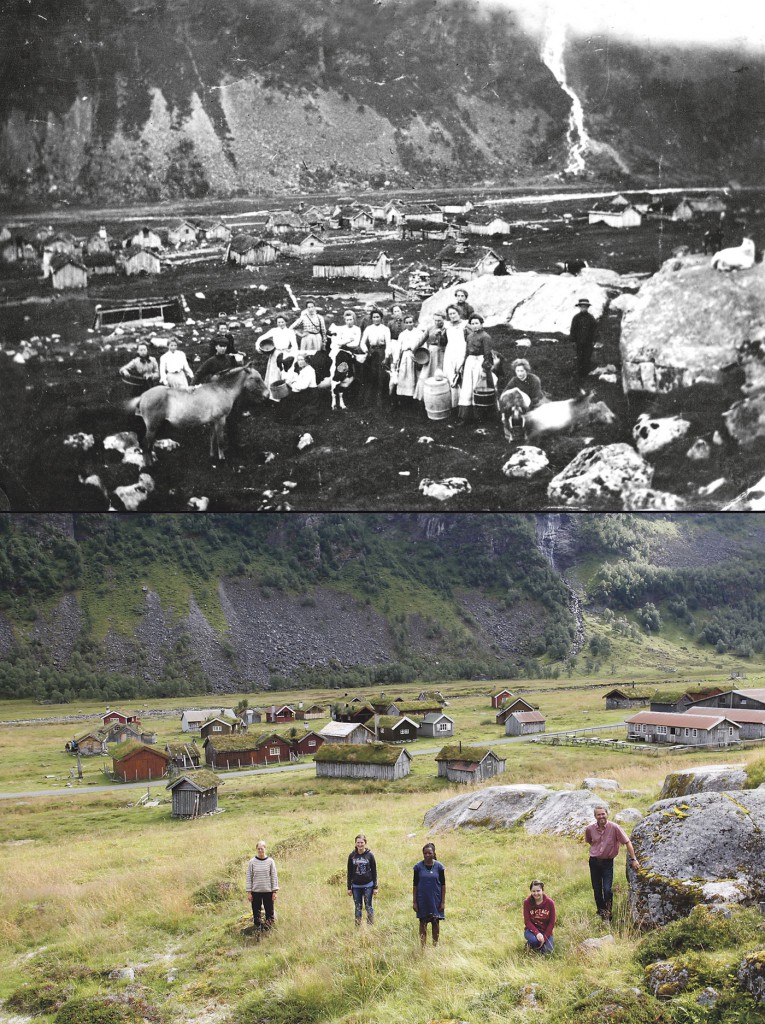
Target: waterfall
{"x":548,"y":527}
{"x":553,"y":46}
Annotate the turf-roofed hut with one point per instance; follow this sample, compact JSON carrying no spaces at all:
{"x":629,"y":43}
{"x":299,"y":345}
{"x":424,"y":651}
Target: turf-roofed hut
{"x":362,"y":761}
{"x":136,"y":762}
{"x":459,"y":763}
{"x":194,"y":793}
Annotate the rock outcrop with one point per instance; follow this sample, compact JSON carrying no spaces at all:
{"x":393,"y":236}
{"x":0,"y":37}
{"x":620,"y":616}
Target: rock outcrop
{"x":539,"y":808}
{"x":704,"y":848}
{"x":688,"y":323}
{"x":751,"y":975}
{"x":711,"y":778}
{"x":598,"y":477}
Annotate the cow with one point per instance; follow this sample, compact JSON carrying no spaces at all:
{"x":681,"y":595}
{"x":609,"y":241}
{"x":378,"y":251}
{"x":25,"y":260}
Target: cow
{"x":206,"y":404}
{"x":556,"y":417}
{"x":739,"y":258}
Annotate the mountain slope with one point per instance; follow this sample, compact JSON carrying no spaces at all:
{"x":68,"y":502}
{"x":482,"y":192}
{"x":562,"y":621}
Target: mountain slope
{"x":132,"y":101}
{"x":116,"y":606}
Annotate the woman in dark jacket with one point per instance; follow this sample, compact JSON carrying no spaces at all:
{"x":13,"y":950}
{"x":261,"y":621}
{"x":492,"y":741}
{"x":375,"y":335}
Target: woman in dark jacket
{"x":527,"y":382}
{"x":362,"y":878}
{"x":476,"y":368}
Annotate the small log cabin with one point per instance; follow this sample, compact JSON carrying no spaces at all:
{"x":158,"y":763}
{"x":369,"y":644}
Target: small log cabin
{"x":499,"y":698}
{"x":352,"y":712}
{"x":362,"y":761}
{"x":750,"y":698}
{"x":626,"y":698}
{"x":100,"y":263}
{"x":516,"y":704}
{"x":412,"y":707}
{"x":135,"y":762}
{"x":687,"y":730}
{"x":346,"y":732}
{"x":437,"y":724}
{"x":247,"y":250}
{"x":376,"y":268}
{"x":68,"y":272}
{"x":217,"y":231}
{"x":280,"y":713}
{"x":522,"y":723}
{"x":681,"y":700}
{"x":140,"y":261}
{"x":302,"y":243}
{"x":184,"y":755}
{"x":121,"y":732}
{"x":306,"y":744}
{"x":615,"y":216}
{"x":118,"y":716}
{"x":487,"y":224}
{"x":311,"y":712}
{"x":396,"y":729}
{"x":218,"y":726}
{"x":90,"y":743}
{"x":143,"y":239}
{"x":182,"y":233}
{"x":195,"y":793}
{"x":100,"y":242}
{"x":193,"y":720}
{"x":464,"y":764}
{"x":234,"y":751}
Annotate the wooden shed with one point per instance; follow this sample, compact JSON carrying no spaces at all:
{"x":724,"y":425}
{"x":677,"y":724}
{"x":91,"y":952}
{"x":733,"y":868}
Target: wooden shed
{"x":313,"y":711}
{"x":396,"y":729}
{"x":68,"y":272}
{"x":90,"y":743}
{"x":626,"y":698}
{"x":247,"y":250}
{"x":136,"y":762}
{"x":280,"y":713}
{"x":140,"y":261}
{"x":113,"y":715}
{"x":122,"y":732}
{"x":464,"y":764}
{"x":100,"y":242}
{"x":233,"y":751}
{"x":362,"y":761}
{"x":487,"y":224}
{"x":195,"y":793}
{"x":681,"y":700}
{"x":143,"y":239}
{"x":467,"y":263}
{"x":375,"y":268}
{"x":750,"y":698}
{"x":184,"y":755}
{"x":346,"y":732}
{"x":437,"y":724}
{"x":217,"y":231}
{"x":193,"y":719}
{"x":516,"y":704}
{"x":522,"y":723}
{"x":499,"y":698}
{"x":352,"y":712}
{"x":100,"y":263}
{"x":303,"y":243}
{"x":615,"y":216}
{"x":218,"y":726}
{"x":412,"y":707}
{"x":361,"y":220}
{"x":183,"y":232}
{"x":305,"y":744}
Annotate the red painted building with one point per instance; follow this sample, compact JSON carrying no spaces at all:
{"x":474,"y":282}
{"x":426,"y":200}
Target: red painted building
{"x":280,"y":714}
{"x":307,"y":744}
{"x":140,"y":763}
{"x":234,"y":751}
{"x":119,"y":716}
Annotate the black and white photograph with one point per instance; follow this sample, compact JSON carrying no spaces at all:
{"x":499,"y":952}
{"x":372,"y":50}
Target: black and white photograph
{"x":318,"y":255}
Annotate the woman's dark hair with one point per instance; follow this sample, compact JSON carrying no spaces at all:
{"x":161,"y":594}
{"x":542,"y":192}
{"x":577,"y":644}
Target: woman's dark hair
{"x":429,"y":846}
{"x":521,"y":362}
{"x":457,"y":310}
{"x":537,"y":882}
{"x":475,"y":316}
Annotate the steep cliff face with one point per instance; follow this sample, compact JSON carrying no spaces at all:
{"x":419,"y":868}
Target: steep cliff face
{"x":147,"y":101}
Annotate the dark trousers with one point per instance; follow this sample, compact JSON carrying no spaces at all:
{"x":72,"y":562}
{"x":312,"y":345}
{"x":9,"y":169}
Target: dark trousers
{"x":602,"y":878}
{"x":584,"y":357}
{"x":266,"y":900}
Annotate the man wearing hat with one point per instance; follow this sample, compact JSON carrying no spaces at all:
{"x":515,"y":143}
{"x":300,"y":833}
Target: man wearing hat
{"x":584,"y":328}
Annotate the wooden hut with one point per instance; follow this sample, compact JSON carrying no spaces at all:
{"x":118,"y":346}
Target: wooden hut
{"x":615,"y":216}
{"x":352,"y":712}
{"x":396,"y":729}
{"x":361,"y":220}
{"x":752,"y":699}
{"x":280,"y":713}
{"x":464,"y":764}
{"x":375,"y":268}
{"x":467,"y":263}
{"x":499,"y":698}
{"x":412,"y":707}
{"x":626,"y":698}
{"x":236,"y":751}
{"x":183,"y":232}
{"x":486,"y":223}
{"x":90,"y":743}
{"x":218,"y":726}
{"x":362,"y":761}
{"x":136,"y":762}
{"x":113,"y":715}
{"x":140,"y":261}
{"x":122,"y":732}
{"x":143,"y":239}
{"x":100,"y":263}
{"x":302,"y":243}
{"x":681,"y":700}
{"x":193,"y":719}
{"x":184,"y":755}
{"x":437,"y":724}
{"x":68,"y":272}
{"x":522,"y":723}
{"x":247,"y":250}
{"x":217,"y":231}
{"x":516,"y":704}
{"x":305,"y":744}
{"x":313,"y":711}
{"x":282,"y":222}
{"x":195,"y":793}
{"x":346,"y":732}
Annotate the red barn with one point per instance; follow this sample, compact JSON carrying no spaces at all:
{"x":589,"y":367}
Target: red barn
{"x":135,"y":762}
{"x":497,"y":699}
{"x":236,"y":751}
{"x":276,"y":714}
{"x":306,"y":744}
{"x":119,"y":716}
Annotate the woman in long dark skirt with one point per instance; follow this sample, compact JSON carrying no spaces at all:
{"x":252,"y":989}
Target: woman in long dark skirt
{"x":429,"y":893}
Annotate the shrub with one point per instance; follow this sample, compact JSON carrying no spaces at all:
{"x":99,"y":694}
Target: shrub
{"x":38,"y":997}
{"x":95,"y":1011}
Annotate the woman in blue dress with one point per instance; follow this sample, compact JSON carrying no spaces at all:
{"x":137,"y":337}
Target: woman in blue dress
{"x":429,"y":893}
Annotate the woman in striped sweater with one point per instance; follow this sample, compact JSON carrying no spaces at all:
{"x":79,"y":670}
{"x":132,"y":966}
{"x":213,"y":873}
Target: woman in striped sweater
{"x":262,"y":886}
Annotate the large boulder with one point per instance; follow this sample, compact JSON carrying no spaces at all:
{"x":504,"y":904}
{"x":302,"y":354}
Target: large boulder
{"x":598,"y":477}
{"x":706,"y":848}
{"x":542,"y":303}
{"x":709,"y":778}
{"x":688,"y":323}
{"x":555,"y":812}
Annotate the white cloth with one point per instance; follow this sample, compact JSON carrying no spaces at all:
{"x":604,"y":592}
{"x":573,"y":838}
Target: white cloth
{"x":174,"y":369}
{"x":300,"y":380}
{"x":407,"y":342}
{"x":375,"y":337}
{"x":454,"y":356}
{"x":343,"y":336}
{"x":285,"y":344}
{"x":473,"y":376}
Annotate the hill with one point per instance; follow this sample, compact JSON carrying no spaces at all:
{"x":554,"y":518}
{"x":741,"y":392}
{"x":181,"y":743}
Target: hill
{"x":112,"y":607}
{"x":132,"y":101}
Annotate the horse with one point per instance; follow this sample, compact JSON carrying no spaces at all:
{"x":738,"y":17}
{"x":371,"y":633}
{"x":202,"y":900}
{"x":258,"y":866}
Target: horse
{"x":555,"y":417}
{"x":205,"y":404}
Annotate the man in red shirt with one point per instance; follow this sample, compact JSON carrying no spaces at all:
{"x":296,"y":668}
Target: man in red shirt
{"x":604,"y":838}
{"x":538,"y":919}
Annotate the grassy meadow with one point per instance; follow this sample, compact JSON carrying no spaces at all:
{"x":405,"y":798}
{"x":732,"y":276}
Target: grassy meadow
{"x":93,"y":883}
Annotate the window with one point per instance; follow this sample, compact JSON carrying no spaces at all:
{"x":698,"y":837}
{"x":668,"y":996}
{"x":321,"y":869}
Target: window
{"x":695,"y":732}
{"x":443,"y":727}
{"x":312,"y":743}
{"x":686,"y":732}
{"x":274,"y":751}
{"x":217,"y":728}
{"x":661,"y":729}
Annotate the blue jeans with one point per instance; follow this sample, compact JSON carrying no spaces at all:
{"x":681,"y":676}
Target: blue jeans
{"x":602,"y":878}
{"x":533,"y":941}
{"x":363,"y":893}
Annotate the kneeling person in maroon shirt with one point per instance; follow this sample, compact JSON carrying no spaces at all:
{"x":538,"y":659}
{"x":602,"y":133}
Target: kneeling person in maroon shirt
{"x":538,"y":919}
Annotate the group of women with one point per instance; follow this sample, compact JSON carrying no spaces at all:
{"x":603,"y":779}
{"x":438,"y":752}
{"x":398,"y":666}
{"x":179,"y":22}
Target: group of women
{"x":428,"y":894}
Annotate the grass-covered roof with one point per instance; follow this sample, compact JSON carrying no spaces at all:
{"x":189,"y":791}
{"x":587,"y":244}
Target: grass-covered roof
{"x":358,"y":753}
{"x":388,"y":721}
{"x":453,"y":752}
{"x":201,"y":777}
{"x":131,"y":746}
{"x":234,"y":741}
{"x":179,"y":749}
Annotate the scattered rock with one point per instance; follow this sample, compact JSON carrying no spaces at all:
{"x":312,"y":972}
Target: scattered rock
{"x":708,"y":997}
{"x":651,"y":435}
{"x":646,"y":499}
{"x":303,"y":442}
{"x":80,"y":441}
{"x":666,"y":978}
{"x":628,"y":816}
{"x":425,"y":440}
{"x":600,"y":784}
{"x":444,"y":489}
{"x":198,"y":504}
{"x":122,"y":974}
{"x":598,"y":476}
{"x":590,"y":945}
{"x":699,"y":451}
{"x":751,"y":975}
{"x":541,"y":810}
{"x":528,"y":994}
{"x":713,"y":778}
{"x":525,"y":462}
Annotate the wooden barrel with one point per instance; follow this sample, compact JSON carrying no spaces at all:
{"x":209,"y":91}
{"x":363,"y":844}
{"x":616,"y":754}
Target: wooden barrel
{"x":485,"y":402}
{"x":279,"y":390}
{"x":437,"y":397}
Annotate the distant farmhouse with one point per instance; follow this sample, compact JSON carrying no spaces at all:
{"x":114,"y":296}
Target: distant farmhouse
{"x":376,"y":268}
{"x":523,"y":723}
{"x":247,"y":250}
{"x":192,"y":721}
{"x":615,"y":216}
{"x":363,"y":761}
{"x":626,"y":698}
{"x":346,"y":732}
{"x":465,"y":764}
{"x":685,"y":729}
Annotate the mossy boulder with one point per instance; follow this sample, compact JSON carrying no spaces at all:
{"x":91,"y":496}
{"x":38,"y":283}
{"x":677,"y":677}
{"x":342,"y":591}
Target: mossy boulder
{"x":711,"y":778}
{"x":705,"y":848}
{"x":751,"y":975}
{"x":538,"y":808}
{"x":666,"y":978}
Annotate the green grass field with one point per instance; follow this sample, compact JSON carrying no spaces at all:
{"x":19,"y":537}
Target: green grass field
{"x":94,"y":882}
